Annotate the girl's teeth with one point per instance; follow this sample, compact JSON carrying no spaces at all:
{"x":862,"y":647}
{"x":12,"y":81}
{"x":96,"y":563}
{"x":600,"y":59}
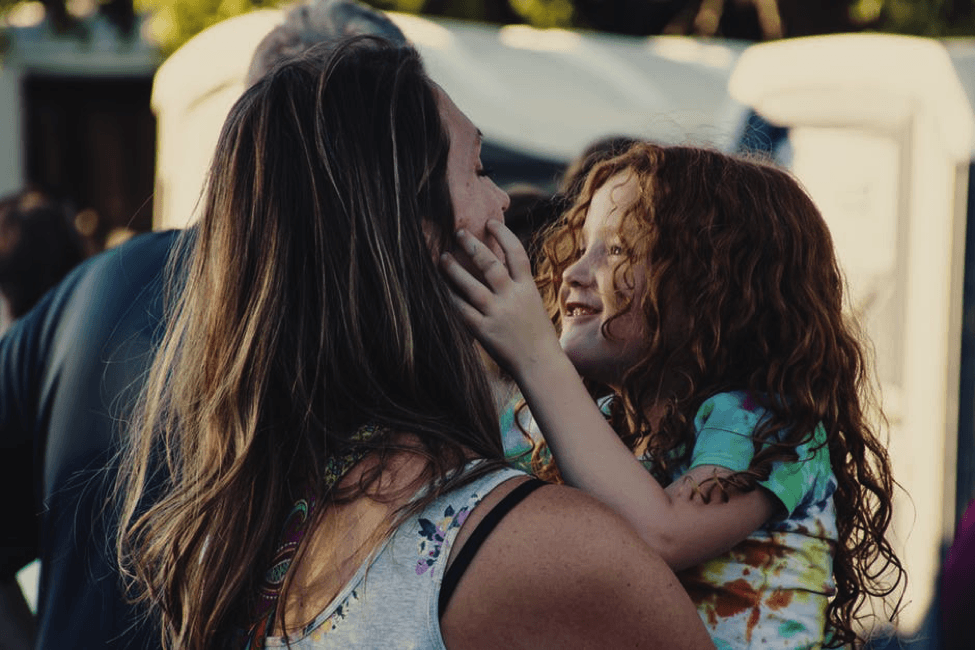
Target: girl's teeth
{"x":581,"y":311}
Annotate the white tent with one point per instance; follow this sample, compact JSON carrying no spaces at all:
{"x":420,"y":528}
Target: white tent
{"x":541,"y":93}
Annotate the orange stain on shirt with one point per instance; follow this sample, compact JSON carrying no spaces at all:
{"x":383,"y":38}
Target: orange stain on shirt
{"x":779,"y":599}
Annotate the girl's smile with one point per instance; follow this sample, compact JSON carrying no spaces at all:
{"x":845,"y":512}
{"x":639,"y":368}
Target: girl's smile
{"x":578,"y":310}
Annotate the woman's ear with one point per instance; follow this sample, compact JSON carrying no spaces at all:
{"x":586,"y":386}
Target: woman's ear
{"x":433,"y":238}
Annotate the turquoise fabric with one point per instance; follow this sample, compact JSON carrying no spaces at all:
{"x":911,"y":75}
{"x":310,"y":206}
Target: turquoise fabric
{"x":724,"y":426}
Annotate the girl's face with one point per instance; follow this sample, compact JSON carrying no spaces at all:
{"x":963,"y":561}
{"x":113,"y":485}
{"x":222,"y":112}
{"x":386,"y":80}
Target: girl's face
{"x":596,"y":287}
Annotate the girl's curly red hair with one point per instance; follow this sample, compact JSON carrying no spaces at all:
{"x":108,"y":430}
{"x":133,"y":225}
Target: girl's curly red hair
{"x":744,"y":292}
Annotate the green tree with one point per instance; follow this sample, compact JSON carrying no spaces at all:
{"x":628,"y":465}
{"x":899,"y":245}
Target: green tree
{"x":925,"y":17}
{"x":173,"y":22}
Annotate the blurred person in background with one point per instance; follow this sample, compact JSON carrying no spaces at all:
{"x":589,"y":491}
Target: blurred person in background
{"x":957,"y":596}
{"x":38,"y":246}
{"x":69,"y":371}
{"x":532,"y":209}
{"x":596,"y":152}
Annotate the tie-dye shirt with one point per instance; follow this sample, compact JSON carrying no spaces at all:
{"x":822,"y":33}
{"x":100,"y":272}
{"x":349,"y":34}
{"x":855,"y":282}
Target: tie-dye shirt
{"x":770,"y":590}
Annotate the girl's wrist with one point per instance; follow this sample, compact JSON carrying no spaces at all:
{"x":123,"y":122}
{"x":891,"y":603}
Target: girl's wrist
{"x":543,"y":366}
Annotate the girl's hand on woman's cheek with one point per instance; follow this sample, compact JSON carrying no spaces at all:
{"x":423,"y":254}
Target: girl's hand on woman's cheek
{"x":507,"y":314}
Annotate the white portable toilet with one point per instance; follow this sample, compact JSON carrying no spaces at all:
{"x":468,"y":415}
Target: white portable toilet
{"x":192,"y":93}
{"x":881,"y":134}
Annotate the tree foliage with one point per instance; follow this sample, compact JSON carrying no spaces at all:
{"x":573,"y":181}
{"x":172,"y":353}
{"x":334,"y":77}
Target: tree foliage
{"x":172,"y":22}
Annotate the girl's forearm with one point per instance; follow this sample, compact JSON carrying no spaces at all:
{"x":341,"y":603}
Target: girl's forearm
{"x":681,"y":527}
{"x":588,"y":452}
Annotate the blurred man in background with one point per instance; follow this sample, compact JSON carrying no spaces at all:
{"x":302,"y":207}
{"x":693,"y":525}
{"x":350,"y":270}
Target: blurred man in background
{"x":38,"y":246}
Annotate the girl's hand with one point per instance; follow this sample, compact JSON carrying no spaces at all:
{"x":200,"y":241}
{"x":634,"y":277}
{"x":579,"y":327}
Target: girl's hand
{"x":506,"y":314}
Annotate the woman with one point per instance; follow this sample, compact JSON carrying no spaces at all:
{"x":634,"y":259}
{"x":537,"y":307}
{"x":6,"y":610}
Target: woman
{"x":323,"y":417}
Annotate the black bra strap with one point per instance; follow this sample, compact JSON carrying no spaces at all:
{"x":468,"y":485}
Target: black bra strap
{"x":484,"y":527}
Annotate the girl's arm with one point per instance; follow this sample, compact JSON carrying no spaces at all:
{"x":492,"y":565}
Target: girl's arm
{"x":510,"y":321}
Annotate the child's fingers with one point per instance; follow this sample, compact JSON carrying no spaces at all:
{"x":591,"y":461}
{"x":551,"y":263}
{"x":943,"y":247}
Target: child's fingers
{"x":470,"y":315}
{"x":466,"y":287}
{"x":493,"y":269}
{"x":519,"y":266}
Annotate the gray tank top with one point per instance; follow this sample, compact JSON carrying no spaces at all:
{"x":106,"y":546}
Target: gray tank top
{"x":392,"y":601}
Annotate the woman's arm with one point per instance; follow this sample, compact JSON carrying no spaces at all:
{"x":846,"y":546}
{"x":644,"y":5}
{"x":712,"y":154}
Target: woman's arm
{"x":563,"y":571}
{"x":510,"y":321}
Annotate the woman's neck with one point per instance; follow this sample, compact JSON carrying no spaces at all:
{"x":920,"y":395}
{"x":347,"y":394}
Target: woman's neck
{"x":346,"y":534}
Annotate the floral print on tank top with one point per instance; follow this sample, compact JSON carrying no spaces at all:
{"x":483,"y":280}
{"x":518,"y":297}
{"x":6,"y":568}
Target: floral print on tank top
{"x":432,"y":535}
{"x":317,"y":630}
{"x":426,"y":539}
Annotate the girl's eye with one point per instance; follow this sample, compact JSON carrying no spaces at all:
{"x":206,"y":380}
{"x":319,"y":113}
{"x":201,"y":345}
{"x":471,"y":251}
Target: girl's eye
{"x":616,"y":249}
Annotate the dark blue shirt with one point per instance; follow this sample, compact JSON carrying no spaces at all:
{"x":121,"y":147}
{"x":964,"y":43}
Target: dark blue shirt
{"x":69,"y":372}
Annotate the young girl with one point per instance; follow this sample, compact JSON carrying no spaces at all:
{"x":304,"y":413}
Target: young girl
{"x":699,"y":298}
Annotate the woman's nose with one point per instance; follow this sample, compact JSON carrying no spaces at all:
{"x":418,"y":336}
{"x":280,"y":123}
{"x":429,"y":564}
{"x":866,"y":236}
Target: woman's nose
{"x":505,"y":201}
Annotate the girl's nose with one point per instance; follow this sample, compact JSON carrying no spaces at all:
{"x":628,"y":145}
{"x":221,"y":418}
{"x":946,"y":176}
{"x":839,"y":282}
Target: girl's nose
{"x":579,"y":273}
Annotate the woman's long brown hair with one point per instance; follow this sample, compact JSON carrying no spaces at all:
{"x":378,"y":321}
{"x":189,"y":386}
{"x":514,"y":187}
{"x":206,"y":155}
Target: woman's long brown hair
{"x":744,"y":292}
{"x":310,"y":306}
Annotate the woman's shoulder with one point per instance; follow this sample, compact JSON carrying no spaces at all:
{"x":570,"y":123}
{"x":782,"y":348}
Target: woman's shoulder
{"x":562,"y":570}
